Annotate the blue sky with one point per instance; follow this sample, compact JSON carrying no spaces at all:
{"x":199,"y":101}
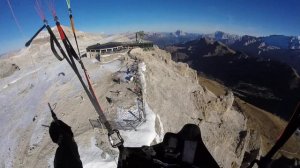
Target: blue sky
{"x":253,"y":17}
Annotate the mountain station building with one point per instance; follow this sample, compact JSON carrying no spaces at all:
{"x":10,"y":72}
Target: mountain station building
{"x":98,"y":50}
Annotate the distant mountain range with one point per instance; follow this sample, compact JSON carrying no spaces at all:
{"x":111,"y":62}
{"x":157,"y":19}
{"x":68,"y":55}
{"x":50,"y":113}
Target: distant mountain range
{"x":271,"y":42}
{"x":164,"y":39}
{"x":282,"y":48}
{"x":266,"y":42}
{"x":266,"y":83}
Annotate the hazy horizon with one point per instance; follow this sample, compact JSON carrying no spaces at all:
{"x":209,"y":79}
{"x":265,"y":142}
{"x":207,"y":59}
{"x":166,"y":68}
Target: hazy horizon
{"x":256,"y":18}
{"x":21,"y":43}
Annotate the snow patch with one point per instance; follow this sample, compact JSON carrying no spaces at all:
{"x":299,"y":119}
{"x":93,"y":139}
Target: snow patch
{"x":39,"y":131}
{"x":142,"y":69}
{"x":146,"y":131}
{"x":160,"y":135}
{"x":124,"y":113}
{"x":91,"y":156}
{"x":143,"y":66}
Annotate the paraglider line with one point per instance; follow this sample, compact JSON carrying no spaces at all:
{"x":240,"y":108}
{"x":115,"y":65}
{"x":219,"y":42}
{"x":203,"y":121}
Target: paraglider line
{"x":51,"y":7}
{"x":15,"y":18}
{"x":39,"y":9}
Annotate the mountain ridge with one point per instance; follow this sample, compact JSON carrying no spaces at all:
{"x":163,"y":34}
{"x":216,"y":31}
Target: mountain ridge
{"x":260,"y":81}
{"x":281,"y":48}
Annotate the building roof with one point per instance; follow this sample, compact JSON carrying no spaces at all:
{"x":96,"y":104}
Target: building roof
{"x":116,"y":44}
{"x":99,"y":46}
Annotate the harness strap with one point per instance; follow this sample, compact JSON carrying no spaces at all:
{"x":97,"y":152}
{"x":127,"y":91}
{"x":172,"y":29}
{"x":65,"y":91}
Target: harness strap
{"x":34,"y":36}
{"x":54,"y":50}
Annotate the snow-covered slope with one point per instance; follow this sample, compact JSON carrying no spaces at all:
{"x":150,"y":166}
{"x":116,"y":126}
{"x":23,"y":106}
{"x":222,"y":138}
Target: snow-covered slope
{"x":24,"y":95}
